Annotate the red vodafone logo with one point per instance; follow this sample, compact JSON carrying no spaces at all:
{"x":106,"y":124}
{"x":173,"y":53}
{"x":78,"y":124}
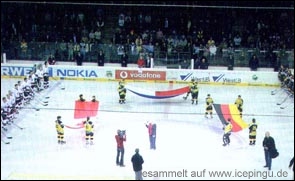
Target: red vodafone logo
{"x":144,"y":75}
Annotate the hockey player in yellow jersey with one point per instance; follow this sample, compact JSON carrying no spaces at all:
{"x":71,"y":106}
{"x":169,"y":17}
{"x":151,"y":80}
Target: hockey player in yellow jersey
{"x":190,"y":84}
{"x":227,"y":132}
{"x":209,"y":106}
{"x":239,"y":103}
{"x":89,"y":131}
{"x":252,"y":132}
{"x":60,"y":130}
{"x":122,"y":82}
{"x":122,"y":93}
{"x":195,"y":92}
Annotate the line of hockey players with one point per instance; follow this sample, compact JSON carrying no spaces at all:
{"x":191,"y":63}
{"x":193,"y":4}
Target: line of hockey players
{"x":23,"y":92}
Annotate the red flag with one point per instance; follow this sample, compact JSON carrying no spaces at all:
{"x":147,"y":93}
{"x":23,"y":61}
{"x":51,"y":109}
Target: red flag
{"x":85,"y":109}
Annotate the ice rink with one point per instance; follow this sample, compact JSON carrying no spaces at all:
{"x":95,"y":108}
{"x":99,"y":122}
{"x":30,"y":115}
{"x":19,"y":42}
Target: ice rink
{"x":187,"y":142}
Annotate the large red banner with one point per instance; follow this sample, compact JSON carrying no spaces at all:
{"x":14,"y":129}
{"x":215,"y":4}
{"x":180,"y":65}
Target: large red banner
{"x":85,"y":109}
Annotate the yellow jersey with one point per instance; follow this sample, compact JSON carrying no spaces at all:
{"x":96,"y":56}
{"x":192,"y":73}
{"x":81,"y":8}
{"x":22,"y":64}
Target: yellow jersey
{"x":228,"y":128}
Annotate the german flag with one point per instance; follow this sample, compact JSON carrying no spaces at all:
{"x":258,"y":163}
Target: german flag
{"x":225,"y":111}
{"x":85,"y":109}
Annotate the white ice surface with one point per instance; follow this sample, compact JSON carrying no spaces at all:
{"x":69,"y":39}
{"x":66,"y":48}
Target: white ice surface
{"x":186,"y":141}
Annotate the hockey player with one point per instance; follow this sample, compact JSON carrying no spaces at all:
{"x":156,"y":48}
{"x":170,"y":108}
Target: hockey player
{"x":11,"y":100}
{"x":122,"y":82}
{"x":209,"y":106}
{"x":239,"y":103}
{"x":81,"y":98}
{"x":11,"y":104}
{"x":88,"y":131}
{"x":18,"y":95}
{"x":122,"y":93}
{"x":227,"y":132}
{"x":39,"y":77}
{"x":60,"y":130}
{"x":252,"y":132}
{"x":6,"y":111}
{"x":195,"y":92}
{"x":45,"y":75}
{"x":33,"y":80}
{"x":28,"y":93}
{"x":4,"y":121}
{"x":93,"y":99}
{"x":190,"y":84}
{"x":20,"y":87}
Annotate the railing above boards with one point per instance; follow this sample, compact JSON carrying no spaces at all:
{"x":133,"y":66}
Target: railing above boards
{"x":221,"y":56}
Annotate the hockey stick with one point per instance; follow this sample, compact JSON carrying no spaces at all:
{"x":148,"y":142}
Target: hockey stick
{"x":3,"y":125}
{"x":43,"y":103}
{"x":283,"y":107}
{"x":8,"y":137}
{"x":21,"y":128}
{"x":284,"y":99}
{"x":41,"y":98}
{"x":46,"y":97}
{"x":59,"y":82}
{"x":5,"y":129}
{"x":39,"y":101}
{"x":37,"y":95}
{"x":273,"y":92}
{"x":33,"y":107}
{"x":6,"y":142}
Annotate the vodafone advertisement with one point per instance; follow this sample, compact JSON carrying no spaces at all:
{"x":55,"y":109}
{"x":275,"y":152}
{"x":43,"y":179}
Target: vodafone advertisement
{"x":140,"y":75}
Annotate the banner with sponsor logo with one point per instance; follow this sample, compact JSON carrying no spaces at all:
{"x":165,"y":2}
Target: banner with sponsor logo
{"x":140,"y":75}
{"x":221,"y":77}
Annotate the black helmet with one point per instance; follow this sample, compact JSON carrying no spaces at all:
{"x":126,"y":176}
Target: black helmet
{"x":58,"y":117}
